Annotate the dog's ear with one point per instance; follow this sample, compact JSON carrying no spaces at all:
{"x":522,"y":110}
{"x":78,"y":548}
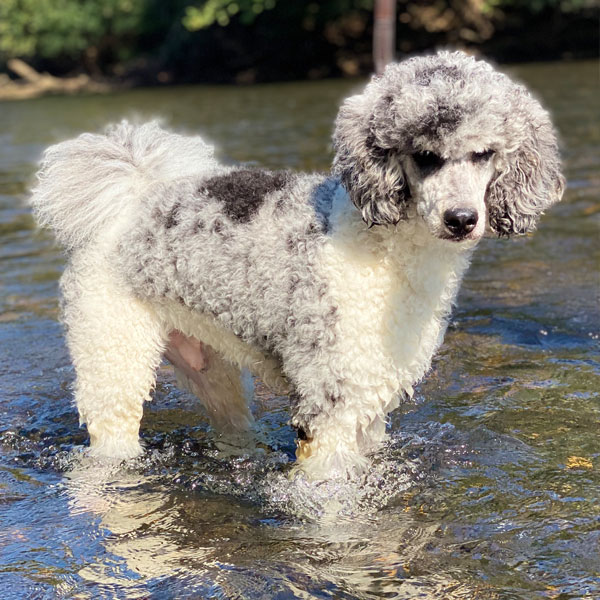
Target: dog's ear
{"x":369,"y":169}
{"x":529,"y":179}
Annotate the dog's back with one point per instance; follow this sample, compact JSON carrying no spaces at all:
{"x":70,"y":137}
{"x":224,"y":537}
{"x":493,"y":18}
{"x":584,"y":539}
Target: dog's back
{"x":241,"y":245}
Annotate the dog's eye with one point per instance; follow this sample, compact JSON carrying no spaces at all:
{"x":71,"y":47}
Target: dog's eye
{"x":427,"y":161}
{"x":480,"y":157}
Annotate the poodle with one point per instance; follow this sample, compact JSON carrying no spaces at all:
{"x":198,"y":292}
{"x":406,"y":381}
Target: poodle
{"x":333,"y":288}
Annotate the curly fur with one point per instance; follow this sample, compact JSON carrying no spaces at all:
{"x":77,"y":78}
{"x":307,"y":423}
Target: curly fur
{"x":280,"y":273}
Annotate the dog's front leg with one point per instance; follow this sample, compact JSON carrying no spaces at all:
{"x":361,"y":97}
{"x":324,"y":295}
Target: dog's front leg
{"x":340,"y":403}
{"x":336,"y":434}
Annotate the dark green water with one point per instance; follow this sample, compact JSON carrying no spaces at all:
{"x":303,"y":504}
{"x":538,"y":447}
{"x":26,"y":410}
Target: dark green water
{"x":490,"y":484}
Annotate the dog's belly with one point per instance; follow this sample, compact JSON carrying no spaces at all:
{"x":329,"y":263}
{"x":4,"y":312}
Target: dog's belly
{"x":208,"y":330}
{"x":186,"y":352}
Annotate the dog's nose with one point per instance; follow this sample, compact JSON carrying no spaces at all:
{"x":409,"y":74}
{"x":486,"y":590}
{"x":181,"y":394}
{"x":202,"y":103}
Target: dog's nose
{"x":460,"y":221}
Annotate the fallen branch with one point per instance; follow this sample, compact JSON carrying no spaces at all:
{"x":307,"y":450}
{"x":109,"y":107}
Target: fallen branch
{"x":33,"y":84}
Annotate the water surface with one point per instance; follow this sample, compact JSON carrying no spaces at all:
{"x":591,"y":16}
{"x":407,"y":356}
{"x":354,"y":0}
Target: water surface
{"x":489,"y":485}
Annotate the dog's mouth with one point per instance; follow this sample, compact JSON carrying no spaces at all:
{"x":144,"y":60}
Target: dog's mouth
{"x":467,"y":237}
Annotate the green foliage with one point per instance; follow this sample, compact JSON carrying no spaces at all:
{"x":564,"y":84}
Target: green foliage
{"x":55,"y":28}
{"x":211,"y":12}
{"x":206,"y":13}
{"x":184,"y":36}
{"x":221,"y":11}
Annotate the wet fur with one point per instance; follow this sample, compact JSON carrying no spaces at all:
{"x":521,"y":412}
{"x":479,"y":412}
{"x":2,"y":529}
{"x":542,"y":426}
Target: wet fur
{"x":337,"y":287}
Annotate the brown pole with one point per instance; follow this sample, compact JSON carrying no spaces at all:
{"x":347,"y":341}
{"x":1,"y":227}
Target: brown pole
{"x":384,"y":34}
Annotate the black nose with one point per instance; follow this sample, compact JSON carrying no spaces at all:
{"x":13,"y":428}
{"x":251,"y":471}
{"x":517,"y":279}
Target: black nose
{"x":460,"y":221}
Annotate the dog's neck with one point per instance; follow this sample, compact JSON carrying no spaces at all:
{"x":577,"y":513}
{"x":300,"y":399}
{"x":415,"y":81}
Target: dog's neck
{"x":400,"y":280}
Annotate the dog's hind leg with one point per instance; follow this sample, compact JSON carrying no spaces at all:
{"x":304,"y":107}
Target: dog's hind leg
{"x":215,"y":381}
{"x":116,"y":343}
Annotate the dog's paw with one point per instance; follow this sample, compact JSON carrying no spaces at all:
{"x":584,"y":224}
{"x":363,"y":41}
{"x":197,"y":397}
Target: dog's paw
{"x":317,"y":461}
{"x":115,"y":447}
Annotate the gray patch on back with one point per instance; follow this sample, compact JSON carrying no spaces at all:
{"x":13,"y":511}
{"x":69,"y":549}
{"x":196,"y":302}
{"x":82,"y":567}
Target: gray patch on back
{"x":243,"y":191}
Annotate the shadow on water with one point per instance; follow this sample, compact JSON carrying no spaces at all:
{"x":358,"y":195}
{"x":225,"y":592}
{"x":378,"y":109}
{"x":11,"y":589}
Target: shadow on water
{"x":487,"y":488}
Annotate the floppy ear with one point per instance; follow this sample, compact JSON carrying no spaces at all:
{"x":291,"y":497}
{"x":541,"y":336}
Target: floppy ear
{"x":369,"y":168}
{"x":530,"y":179}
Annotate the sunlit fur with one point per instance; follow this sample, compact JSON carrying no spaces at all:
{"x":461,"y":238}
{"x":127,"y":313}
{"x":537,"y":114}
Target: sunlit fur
{"x":337,"y":287}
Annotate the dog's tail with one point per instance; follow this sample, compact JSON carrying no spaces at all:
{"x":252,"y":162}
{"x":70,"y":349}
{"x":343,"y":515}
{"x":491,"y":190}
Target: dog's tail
{"x":85,"y":183}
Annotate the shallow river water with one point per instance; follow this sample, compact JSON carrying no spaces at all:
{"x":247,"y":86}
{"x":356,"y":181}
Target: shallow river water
{"x":489,"y":486}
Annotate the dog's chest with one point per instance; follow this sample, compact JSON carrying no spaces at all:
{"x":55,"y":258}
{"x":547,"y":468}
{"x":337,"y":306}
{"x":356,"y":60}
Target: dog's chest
{"x":393,"y":301}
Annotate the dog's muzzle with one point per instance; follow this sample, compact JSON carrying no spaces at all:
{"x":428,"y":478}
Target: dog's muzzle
{"x":459,"y":222}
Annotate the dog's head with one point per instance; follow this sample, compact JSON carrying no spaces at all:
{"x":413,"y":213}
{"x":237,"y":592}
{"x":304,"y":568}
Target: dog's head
{"x":448,"y":139}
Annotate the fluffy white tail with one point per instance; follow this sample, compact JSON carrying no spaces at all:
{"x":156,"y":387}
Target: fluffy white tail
{"x":85,"y":183}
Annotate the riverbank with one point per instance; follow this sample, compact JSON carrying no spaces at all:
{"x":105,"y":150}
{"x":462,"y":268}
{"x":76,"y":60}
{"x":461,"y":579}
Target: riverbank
{"x":31,"y":83}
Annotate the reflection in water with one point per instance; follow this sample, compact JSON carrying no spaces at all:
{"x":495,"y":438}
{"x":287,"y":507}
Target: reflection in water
{"x":488,"y":487}
{"x":304,"y":535}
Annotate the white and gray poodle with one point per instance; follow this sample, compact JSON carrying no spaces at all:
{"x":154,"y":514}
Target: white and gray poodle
{"x":336,"y":287}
